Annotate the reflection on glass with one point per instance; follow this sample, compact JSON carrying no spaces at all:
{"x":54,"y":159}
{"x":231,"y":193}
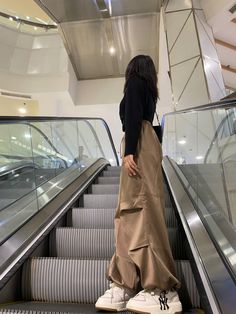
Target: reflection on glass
{"x":203,"y":145}
{"x":38,"y":159}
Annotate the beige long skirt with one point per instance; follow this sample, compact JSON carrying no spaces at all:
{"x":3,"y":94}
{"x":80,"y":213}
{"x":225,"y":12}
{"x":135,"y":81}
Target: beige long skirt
{"x":143,"y":256}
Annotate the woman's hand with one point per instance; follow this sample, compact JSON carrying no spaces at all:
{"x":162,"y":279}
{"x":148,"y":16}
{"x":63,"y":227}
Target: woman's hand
{"x":130,"y":165}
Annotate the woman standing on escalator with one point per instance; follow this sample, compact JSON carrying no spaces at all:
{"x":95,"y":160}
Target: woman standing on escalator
{"x":143,"y":257}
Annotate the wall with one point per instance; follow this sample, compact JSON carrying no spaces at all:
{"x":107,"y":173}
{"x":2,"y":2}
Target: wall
{"x":10,"y":106}
{"x":213,"y":8}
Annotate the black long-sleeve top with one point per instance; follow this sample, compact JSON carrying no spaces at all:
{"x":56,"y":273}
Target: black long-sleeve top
{"x":137,"y":105}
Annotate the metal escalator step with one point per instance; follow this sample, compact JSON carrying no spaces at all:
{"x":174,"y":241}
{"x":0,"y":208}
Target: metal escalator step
{"x":111,"y":173}
{"x":107,"y":201}
{"x":64,"y":280}
{"x":108,"y":180}
{"x":82,"y":243}
{"x":103,"y":218}
{"x":188,"y":292}
{"x":170,"y":217}
{"x":113,"y":167}
{"x":100,"y":201}
{"x":105,"y":188}
{"x":177,"y":244}
{"x":167,"y":200}
{"x":89,"y":218}
{"x":82,"y":281}
{"x":98,"y":243}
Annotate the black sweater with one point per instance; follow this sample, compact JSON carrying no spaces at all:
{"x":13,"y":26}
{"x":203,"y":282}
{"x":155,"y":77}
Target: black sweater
{"x":137,"y":105}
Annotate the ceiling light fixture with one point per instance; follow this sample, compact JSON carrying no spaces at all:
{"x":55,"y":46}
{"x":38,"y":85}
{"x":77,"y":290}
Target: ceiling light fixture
{"x":27,"y":17}
{"x":182,"y":142}
{"x":11,"y":18}
{"x":22,"y":110}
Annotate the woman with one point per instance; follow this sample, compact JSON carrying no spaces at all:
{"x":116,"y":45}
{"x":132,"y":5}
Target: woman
{"x":143,"y":257}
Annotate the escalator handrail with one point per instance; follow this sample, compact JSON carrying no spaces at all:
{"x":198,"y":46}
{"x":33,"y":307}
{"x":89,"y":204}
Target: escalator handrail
{"x":223,"y":104}
{"x":20,"y":119}
{"x":16,"y":166}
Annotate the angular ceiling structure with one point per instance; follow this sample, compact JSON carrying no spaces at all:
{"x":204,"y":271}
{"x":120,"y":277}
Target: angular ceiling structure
{"x":101,"y":36}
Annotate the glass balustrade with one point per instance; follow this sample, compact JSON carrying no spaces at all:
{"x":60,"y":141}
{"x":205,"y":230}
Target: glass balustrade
{"x":40,"y":157}
{"x":201,"y":144}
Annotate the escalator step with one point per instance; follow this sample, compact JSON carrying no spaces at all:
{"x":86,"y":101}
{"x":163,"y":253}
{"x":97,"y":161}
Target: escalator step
{"x":81,"y":281}
{"x":108,"y":200}
{"x":82,"y":243}
{"x":108,"y":180}
{"x":111,"y":173}
{"x":98,"y":243}
{"x":64,"y":280}
{"x":105,"y":189}
{"x":102,"y":218}
{"x":114,"y":168}
{"x":100,"y":201}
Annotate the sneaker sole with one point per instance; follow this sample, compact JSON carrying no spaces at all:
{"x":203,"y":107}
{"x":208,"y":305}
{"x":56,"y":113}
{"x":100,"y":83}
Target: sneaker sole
{"x":153,"y":311}
{"x":108,"y":309}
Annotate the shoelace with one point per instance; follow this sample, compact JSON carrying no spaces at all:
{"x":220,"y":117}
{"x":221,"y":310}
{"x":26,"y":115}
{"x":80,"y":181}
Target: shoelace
{"x":163,"y":301}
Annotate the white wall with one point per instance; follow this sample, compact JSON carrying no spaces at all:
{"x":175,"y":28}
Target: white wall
{"x":217,"y":12}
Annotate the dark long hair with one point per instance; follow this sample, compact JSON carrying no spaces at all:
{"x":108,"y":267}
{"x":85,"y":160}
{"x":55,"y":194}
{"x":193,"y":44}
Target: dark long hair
{"x":143,"y":66}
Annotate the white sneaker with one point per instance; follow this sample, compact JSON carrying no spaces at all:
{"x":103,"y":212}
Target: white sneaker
{"x":155,"y":302}
{"x":114,"y":299}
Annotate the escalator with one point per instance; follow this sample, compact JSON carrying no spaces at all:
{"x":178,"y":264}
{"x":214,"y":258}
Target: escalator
{"x":55,"y":260}
{"x":72,"y":277}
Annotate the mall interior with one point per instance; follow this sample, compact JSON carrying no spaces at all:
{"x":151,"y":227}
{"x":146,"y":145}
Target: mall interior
{"x":62,"y":75}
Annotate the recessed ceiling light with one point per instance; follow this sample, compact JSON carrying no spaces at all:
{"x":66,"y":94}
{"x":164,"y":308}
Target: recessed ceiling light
{"x":27,"y":17}
{"x":11,"y":18}
{"x":35,"y":28}
{"x":22,"y":110}
{"x":182,"y":142}
{"x":17,"y":17}
{"x":13,"y":138}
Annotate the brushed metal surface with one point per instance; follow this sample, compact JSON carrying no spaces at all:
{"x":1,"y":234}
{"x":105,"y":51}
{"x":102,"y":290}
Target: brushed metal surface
{"x":101,"y":36}
{"x":219,"y":285}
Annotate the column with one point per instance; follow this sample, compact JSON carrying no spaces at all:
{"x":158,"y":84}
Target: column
{"x":195,"y":69}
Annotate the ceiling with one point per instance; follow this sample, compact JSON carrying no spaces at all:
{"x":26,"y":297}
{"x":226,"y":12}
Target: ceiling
{"x":223,"y":23}
{"x":101,"y":36}
{"x":23,"y":8}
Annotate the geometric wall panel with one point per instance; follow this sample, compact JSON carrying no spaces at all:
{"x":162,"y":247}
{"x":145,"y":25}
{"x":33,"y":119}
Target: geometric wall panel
{"x":195,"y":93}
{"x":195,"y":70}
{"x":174,"y":5}
{"x":186,"y":45}
{"x":174,"y":22}
{"x":180,"y":75}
